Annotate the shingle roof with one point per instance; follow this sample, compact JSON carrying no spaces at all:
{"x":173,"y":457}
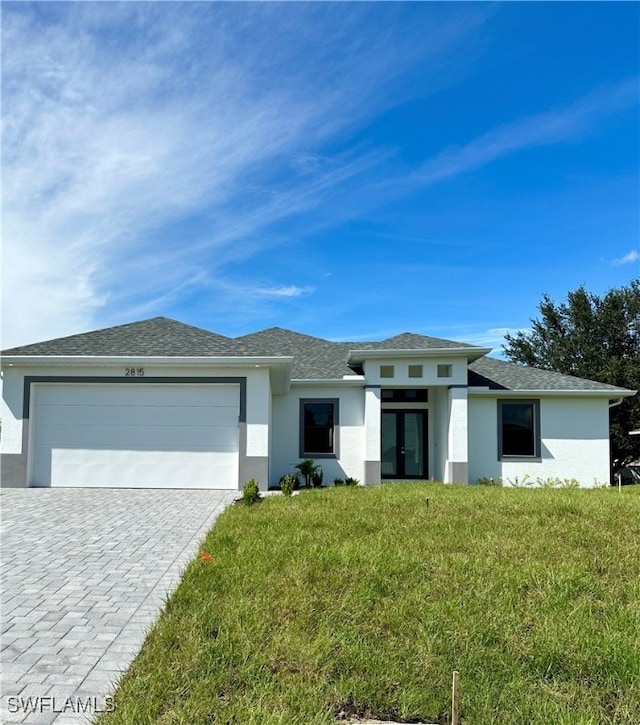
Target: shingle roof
{"x":501,"y":375}
{"x":156,"y":336}
{"x":314,"y":357}
{"x":412,"y":341}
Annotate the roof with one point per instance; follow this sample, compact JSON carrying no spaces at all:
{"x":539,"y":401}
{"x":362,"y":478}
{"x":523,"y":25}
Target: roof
{"x":314,"y":358}
{"x":501,"y":375}
{"x":156,"y":336}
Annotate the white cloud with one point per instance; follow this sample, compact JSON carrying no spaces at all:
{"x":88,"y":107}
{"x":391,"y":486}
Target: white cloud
{"x":122,"y":124}
{"x":629,"y":258}
{"x":285,"y":291}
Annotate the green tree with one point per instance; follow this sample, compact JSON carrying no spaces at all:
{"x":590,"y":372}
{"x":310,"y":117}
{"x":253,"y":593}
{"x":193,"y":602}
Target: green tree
{"x":591,"y":337}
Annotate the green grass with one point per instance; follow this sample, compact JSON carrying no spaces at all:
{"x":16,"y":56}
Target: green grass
{"x":346,"y":602}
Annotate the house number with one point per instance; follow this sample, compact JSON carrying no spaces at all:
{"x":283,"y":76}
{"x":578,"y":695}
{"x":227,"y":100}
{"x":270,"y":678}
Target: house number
{"x":134,"y":372}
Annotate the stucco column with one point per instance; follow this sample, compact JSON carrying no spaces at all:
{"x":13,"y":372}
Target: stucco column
{"x":254,"y":432}
{"x":372,"y":422}
{"x":457,"y":464}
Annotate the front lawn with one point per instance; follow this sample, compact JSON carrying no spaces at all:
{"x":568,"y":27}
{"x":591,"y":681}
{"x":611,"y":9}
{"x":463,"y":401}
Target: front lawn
{"x":360,"y":602}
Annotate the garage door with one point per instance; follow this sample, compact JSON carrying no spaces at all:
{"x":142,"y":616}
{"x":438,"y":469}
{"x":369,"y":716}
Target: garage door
{"x":135,"y":435}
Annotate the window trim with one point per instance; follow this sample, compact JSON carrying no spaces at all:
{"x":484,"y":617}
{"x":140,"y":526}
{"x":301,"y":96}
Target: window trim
{"x":537,"y":442}
{"x":336,"y":428}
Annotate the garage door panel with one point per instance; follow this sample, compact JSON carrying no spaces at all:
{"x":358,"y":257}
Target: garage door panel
{"x":217,"y":472}
{"x":137,"y":415}
{"x":137,"y":393}
{"x":136,"y":436}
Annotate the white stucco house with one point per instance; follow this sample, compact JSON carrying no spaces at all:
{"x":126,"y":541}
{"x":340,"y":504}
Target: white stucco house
{"x":159,"y":404}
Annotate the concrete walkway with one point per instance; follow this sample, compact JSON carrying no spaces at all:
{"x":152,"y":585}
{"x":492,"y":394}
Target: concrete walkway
{"x":84,"y":575}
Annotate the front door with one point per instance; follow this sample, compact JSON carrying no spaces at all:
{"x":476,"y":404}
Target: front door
{"x":404,"y":444}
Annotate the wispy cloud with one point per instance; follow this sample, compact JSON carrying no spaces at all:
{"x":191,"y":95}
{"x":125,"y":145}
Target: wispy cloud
{"x":629,"y":258}
{"x":144,"y":143}
{"x":568,"y":124}
{"x":290,"y":291}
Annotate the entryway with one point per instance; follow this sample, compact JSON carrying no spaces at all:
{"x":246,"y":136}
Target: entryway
{"x":404,"y":444}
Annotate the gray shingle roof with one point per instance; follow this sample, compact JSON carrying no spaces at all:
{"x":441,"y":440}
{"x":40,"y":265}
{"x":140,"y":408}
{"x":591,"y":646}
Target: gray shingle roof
{"x":156,"y":336}
{"x":314,"y":357}
{"x":412,"y":341}
{"x":501,"y":375}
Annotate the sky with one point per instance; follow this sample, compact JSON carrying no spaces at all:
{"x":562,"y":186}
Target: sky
{"x":347,"y":170}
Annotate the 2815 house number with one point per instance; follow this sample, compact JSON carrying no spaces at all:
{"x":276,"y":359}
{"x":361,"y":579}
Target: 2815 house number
{"x":133,"y":372}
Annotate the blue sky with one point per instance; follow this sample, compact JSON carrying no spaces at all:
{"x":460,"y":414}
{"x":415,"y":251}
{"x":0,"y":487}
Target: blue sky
{"x":348,"y":170}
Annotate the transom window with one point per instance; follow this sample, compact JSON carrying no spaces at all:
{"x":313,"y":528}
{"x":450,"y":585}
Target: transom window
{"x":405,"y":395}
{"x":318,"y":426}
{"x":519,"y":428}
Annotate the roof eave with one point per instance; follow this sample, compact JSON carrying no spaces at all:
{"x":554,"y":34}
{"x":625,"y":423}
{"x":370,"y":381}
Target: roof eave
{"x":509,"y":393}
{"x":164,"y":360}
{"x":357,"y":357}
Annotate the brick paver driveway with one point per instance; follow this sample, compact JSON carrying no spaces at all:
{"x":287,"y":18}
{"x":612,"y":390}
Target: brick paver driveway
{"x":84,"y":573}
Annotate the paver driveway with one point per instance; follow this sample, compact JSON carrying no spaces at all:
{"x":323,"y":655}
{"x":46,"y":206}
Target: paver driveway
{"x":84,"y":574}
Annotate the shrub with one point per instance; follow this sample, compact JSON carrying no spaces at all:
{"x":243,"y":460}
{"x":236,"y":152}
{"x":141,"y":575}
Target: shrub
{"x":307,"y":469}
{"x":338,"y":481}
{"x":317,"y":477}
{"x":287,"y":484}
{"x":351,"y":481}
{"x":250,"y":492}
{"x":490,"y":481}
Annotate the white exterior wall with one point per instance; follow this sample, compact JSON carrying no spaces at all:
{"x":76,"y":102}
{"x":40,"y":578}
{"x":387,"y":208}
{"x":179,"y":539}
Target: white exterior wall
{"x":456,"y":468}
{"x":574,"y":441}
{"x":12,"y":387}
{"x":438,"y":431}
{"x":286,"y":432}
{"x":429,"y":372}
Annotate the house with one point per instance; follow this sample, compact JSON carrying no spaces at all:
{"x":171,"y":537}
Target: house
{"x":159,"y":403}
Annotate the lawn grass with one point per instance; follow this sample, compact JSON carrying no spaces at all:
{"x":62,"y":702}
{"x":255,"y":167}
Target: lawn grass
{"x":361,"y":601}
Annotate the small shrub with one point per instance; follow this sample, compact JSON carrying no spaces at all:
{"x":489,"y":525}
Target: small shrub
{"x":307,"y":469}
{"x":287,"y":484}
{"x":351,"y":481}
{"x":338,"y":481}
{"x":316,"y":478}
{"x":250,"y":492}
{"x":490,"y":481}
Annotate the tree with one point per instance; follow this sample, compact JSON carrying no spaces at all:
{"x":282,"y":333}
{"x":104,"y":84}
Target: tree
{"x":591,"y":337}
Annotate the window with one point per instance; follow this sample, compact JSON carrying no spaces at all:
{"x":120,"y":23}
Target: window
{"x":415,"y":371}
{"x":519,"y":428}
{"x":444,"y":371}
{"x":405,"y":395}
{"x":387,"y":371}
{"x":318,"y":427}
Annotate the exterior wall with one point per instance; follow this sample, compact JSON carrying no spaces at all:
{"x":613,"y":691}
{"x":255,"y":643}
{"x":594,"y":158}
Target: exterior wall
{"x":351,"y":435}
{"x":429,"y":372}
{"x":372,"y":433}
{"x":254,"y":432}
{"x":457,"y":464}
{"x":574,"y":441}
{"x":438,"y":431}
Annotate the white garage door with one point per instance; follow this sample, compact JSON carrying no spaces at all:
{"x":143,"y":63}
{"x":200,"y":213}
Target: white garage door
{"x":135,"y":436}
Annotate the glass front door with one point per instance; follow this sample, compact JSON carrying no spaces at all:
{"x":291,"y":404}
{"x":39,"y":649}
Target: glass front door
{"x":404,"y":444}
